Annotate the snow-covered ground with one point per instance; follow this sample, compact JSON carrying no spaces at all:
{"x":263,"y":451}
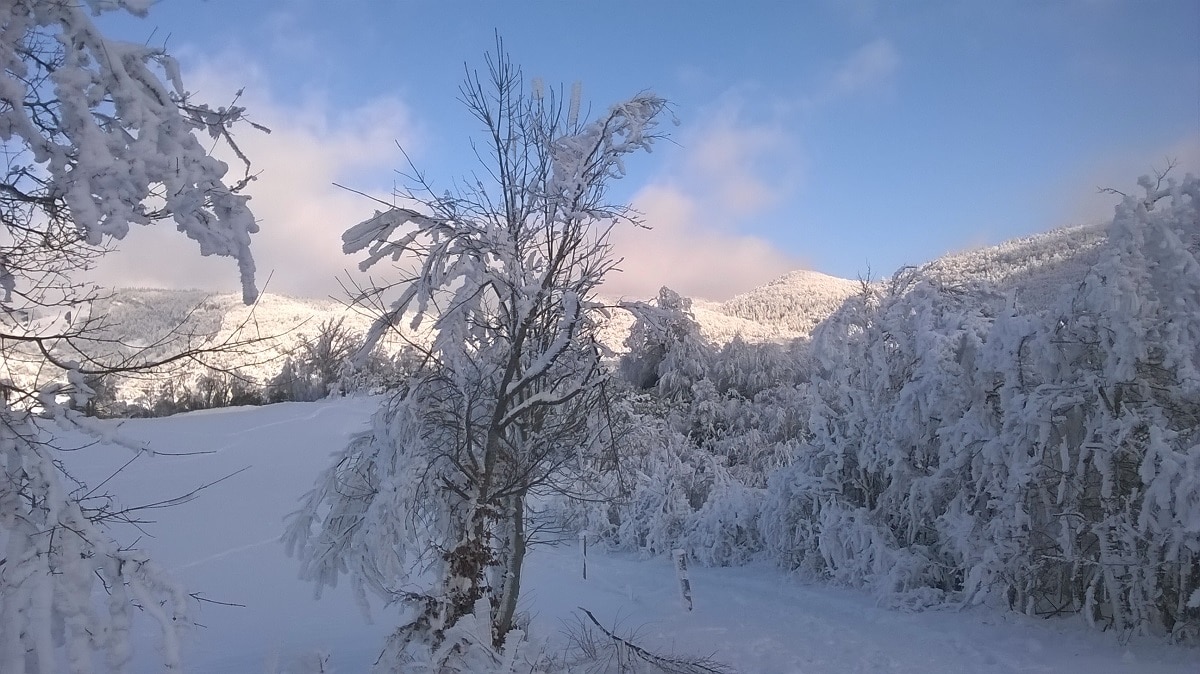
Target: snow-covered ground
{"x":225,"y":545}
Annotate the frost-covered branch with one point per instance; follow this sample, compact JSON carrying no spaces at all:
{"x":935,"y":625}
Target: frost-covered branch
{"x":623,"y":656}
{"x":98,"y":135}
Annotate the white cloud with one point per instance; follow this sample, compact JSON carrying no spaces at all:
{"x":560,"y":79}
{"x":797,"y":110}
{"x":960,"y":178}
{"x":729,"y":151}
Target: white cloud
{"x":730,"y":172}
{"x":727,"y":156}
{"x":690,"y":248}
{"x":868,"y":67}
{"x":301,"y":213}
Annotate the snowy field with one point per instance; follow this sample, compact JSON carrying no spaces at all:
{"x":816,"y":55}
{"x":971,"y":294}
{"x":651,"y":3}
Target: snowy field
{"x":224,"y":544}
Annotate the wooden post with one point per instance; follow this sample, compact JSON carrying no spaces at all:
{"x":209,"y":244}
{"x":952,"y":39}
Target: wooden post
{"x":685,"y":583}
{"x":583,"y":548}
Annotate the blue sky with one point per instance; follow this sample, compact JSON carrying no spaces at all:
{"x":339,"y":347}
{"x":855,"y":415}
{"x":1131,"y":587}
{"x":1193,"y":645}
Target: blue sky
{"x":835,"y":136}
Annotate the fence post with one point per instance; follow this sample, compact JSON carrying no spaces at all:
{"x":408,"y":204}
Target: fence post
{"x":583,"y":554}
{"x":685,"y":583}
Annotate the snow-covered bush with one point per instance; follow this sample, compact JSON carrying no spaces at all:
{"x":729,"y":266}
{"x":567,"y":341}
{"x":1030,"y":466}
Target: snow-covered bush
{"x":961,"y":446}
{"x":708,"y":427}
{"x":666,"y":350}
{"x":890,"y":367}
{"x":315,"y":366}
{"x":672,"y":495}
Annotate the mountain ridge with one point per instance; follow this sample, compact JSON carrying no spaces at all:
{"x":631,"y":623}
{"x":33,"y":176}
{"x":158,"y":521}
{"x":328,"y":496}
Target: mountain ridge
{"x":784,"y":309}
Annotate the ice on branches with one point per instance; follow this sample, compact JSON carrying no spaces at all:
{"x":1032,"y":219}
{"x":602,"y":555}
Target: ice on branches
{"x":98,"y":135}
{"x":103,"y":134}
{"x":509,"y":402}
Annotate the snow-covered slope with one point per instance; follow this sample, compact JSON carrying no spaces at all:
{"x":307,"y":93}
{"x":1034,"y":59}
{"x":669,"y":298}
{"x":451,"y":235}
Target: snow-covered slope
{"x":793,"y":303}
{"x":784,"y":309}
{"x":156,"y":322}
{"x":224,"y":545}
{"x":137,"y":318}
{"x":1037,"y":267}
{"x":150,"y":313}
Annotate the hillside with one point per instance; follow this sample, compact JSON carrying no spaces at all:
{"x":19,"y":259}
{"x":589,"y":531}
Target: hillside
{"x":1035,"y":267}
{"x":784,"y":309}
{"x":149,"y":323}
{"x":161,"y":321}
{"x":793,"y":303}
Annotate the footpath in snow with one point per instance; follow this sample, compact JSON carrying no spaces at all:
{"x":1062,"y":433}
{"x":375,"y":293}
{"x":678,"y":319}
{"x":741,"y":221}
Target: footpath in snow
{"x":224,"y":544}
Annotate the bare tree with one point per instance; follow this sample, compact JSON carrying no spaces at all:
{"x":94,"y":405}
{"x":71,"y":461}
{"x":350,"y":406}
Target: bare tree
{"x":96,"y":135}
{"x":509,"y":401}
{"x":315,"y":366}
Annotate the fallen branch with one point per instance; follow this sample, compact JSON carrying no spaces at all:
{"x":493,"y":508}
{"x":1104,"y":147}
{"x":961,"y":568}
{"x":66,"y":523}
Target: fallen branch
{"x":669,"y":664}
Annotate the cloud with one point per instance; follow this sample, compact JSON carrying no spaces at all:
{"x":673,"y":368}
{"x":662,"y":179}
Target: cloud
{"x":730,"y":172}
{"x":869,"y":68}
{"x":866,"y":68}
{"x":691,"y":249}
{"x":728,"y":157}
{"x":300,"y":212}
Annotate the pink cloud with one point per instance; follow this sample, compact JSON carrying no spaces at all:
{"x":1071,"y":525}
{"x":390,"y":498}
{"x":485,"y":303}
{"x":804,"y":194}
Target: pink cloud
{"x":730,"y":171}
{"x":301,"y":213}
{"x":690,"y":250}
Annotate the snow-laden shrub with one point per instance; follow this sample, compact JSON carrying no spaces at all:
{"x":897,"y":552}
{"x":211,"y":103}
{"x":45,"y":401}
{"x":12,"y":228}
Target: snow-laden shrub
{"x":681,"y":497}
{"x":707,"y":429}
{"x":891,"y":365}
{"x":667,"y":353}
{"x":668,"y":494}
{"x":724,"y":530}
{"x":1046,"y":459}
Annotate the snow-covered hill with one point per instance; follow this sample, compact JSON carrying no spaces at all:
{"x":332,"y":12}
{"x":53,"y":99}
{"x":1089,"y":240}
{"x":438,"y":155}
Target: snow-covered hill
{"x":164,"y":320}
{"x":793,"y":303}
{"x":153,"y":323}
{"x":784,"y":309}
{"x":1036,"y":267}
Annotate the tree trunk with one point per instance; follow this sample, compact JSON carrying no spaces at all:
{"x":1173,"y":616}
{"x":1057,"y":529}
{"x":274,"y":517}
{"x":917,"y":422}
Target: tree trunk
{"x":465,"y":581}
{"x":515,"y":560}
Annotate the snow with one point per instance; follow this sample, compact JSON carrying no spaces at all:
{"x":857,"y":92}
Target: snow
{"x":225,"y":544}
{"x":162,"y":319}
{"x":142,"y":317}
{"x":794,"y":303}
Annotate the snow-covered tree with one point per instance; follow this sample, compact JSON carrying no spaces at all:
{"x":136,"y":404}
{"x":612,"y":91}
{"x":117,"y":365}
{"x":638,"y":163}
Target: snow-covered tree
{"x":98,"y":135}
{"x":666,"y":349}
{"x":315,"y":366}
{"x":962,"y":447}
{"x":508,"y":403}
